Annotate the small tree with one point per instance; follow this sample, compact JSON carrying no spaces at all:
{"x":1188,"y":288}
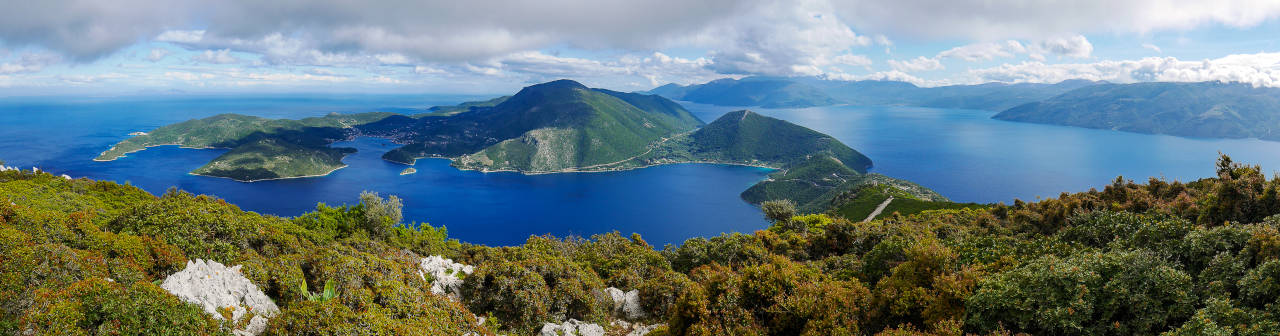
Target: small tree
{"x":380,"y":215}
{"x":779,"y":210}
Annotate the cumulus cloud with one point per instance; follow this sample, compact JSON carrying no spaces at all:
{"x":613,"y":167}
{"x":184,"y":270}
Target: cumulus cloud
{"x":1073,"y":46}
{"x":781,"y":38}
{"x":1020,"y":19}
{"x":897,"y":76}
{"x":656,"y":68}
{"x":852,"y":60}
{"x":916,"y":64}
{"x":1262,"y":69}
{"x":158,"y":54}
{"x":438,"y":30}
{"x":28,"y":63}
{"x":216,"y":57}
{"x":985,"y":51}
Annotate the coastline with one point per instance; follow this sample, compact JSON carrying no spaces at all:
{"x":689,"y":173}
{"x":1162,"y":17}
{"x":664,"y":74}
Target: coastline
{"x":607,"y":170}
{"x":125,"y":154}
{"x":273,"y":178}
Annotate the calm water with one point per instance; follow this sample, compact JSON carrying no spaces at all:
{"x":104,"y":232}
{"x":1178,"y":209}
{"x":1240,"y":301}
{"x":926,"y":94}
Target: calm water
{"x":962,"y":154}
{"x":969,"y":157}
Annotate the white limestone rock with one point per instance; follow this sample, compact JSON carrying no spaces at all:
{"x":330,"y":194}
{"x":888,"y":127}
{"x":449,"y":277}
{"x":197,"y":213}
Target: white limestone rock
{"x":626,"y":304}
{"x":444,"y":273}
{"x":212,"y":285}
{"x":635,"y":329}
{"x":572,"y":327}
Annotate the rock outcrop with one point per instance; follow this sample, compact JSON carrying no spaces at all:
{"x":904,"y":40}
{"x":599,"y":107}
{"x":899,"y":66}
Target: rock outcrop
{"x":215,"y":287}
{"x":444,"y":274}
{"x":572,"y":327}
{"x":626,"y":305}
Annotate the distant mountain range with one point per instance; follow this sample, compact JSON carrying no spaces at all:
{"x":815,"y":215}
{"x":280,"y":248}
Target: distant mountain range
{"x":797,"y":92}
{"x":751,"y":91}
{"x":1208,"y":109}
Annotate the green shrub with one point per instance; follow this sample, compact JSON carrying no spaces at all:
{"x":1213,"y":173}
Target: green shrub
{"x":1113,"y":293}
{"x":96,"y":306}
{"x":536,"y":289}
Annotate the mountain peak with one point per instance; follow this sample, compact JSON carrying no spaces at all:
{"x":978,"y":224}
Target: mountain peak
{"x":739,"y":115}
{"x":558,"y":84}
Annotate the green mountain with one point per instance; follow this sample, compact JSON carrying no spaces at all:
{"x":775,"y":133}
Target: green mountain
{"x":231,"y":130}
{"x":274,"y":158}
{"x":547,"y":127}
{"x":448,"y":110}
{"x":1208,"y":109}
{"x":751,"y":91}
{"x":860,"y":203}
{"x":260,"y":148}
{"x":746,"y":136}
{"x":814,"y":184}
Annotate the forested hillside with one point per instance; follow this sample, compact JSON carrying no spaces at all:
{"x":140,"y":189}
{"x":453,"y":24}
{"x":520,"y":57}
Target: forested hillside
{"x":1162,"y":257}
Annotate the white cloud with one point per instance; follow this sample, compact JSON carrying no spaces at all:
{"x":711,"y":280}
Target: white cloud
{"x":1073,"y":46}
{"x":852,"y":60}
{"x":895,"y":75}
{"x":1152,"y":47}
{"x":216,"y":57}
{"x":158,"y":54}
{"x":920,"y":63}
{"x":782,"y":38}
{"x":29,"y":63}
{"x":1262,"y":69}
{"x":1021,"y":19}
{"x":985,"y":51}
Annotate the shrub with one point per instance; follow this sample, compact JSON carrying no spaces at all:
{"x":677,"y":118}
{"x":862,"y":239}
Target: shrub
{"x":534,"y":289}
{"x":96,"y":306}
{"x":1113,"y":293}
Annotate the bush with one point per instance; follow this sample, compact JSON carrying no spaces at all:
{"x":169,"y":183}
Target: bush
{"x":106,"y":308}
{"x":1113,"y":293}
{"x":526,"y":292}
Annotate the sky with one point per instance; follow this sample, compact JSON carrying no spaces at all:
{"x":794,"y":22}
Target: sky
{"x":123,"y":47}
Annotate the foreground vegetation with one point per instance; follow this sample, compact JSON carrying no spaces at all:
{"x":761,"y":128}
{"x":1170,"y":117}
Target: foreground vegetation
{"x":83,"y":257}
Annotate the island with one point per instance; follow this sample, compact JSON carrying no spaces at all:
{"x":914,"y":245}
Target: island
{"x":555,"y":127}
{"x":408,"y":171}
{"x":1206,"y":109}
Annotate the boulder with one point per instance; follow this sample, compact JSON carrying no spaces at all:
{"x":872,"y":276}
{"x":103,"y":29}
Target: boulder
{"x":626,"y":305}
{"x":212,"y":286}
{"x":572,"y":327}
{"x":445,"y":275}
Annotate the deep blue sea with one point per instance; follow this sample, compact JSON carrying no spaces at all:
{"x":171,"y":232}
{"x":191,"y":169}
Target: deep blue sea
{"x":962,"y":154}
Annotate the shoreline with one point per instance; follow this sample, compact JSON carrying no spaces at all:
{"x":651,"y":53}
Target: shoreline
{"x":609,"y":170}
{"x":272,"y":179}
{"x":126,"y":154}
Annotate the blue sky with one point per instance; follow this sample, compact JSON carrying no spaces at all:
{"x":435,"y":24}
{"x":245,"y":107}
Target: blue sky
{"x":84,"y":47}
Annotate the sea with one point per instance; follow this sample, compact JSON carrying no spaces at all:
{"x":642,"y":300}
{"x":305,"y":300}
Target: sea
{"x":963,"y":154}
